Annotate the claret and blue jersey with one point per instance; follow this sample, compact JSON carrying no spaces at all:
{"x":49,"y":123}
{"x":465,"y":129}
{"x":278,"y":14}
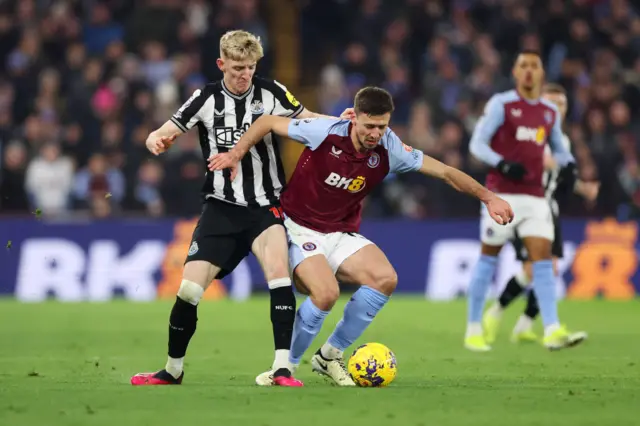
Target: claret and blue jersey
{"x":332,"y":178}
{"x":516,"y":129}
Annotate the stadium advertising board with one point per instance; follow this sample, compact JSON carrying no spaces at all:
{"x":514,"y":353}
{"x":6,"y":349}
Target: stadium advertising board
{"x":142,"y":260}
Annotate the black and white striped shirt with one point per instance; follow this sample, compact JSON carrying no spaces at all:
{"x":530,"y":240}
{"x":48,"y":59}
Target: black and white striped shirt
{"x":222,"y":117}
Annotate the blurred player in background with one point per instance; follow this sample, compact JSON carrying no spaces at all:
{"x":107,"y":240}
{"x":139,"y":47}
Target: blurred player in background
{"x":511,"y":138}
{"x":523,"y":330}
{"x":237,"y":217}
{"x":342,"y":162}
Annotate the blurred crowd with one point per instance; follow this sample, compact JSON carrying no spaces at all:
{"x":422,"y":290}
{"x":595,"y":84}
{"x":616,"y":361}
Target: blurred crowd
{"x":442,"y":60}
{"x":83,"y":82}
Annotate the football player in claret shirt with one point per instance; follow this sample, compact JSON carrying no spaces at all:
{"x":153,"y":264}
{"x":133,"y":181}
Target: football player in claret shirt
{"x":511,"y":138}
{"x":523,"y":330}
{"x":341,"y":164}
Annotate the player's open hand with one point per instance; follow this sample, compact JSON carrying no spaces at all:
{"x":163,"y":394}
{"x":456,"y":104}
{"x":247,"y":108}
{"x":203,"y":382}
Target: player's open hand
{"x":348,"y":114}
{"x":158,"y":145}
{"x":224,"y":160}
{"x":499,"y":210}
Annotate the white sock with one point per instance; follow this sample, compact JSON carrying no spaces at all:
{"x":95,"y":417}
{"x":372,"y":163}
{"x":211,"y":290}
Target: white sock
{"x":495,"y":310}
{"x":281,"y":360}
{"x":474,"y":329}
{"x":551,"y":328}
{"x":330,"y":352}
{"x":524,"y":324}
{"x":174,"y":366}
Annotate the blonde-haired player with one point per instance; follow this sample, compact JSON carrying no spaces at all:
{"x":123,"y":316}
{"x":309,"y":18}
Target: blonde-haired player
{"x":239,"y":216}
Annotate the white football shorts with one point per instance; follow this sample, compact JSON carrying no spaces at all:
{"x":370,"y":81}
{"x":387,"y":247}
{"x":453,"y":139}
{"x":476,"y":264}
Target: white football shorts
{"x":533,"y":218}
{"x":336,"y":247}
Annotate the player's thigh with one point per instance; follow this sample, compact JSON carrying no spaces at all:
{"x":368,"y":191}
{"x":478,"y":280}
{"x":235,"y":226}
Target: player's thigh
{"x":538,"y":248}
{"x":309,"y":265}
{"x":299,"y":285}
{"x":303,"y":243}
{"x":213,"y":256}
{"x":314,"y":276}
{"x":367,"y":265}
{"x":537,"y":219}
{"x":271,"y":250}
{"x":219,"y":239}
{"x":536,"y":228}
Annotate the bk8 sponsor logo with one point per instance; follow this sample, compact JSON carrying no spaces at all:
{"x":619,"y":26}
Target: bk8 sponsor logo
{"x":352,"y":185}
{"x":531,"y":134}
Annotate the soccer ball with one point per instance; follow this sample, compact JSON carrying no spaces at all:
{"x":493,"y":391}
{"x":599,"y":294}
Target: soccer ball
{"x":373,"y":365}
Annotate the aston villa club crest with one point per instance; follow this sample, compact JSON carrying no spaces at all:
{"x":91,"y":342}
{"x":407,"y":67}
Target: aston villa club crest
{"x":374,"y":160}
{"x":309,"y":246}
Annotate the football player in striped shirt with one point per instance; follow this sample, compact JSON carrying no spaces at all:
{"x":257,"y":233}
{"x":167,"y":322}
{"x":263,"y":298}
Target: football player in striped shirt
{"x":239,"y":216}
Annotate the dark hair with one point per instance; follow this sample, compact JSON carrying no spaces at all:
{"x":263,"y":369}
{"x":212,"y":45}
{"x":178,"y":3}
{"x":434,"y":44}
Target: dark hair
{"x":373,"y":101}
{"x":554,"y":89}
{"x":530,"y":52}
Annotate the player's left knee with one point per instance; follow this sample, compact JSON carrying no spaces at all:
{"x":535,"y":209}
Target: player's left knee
{"x":275,"y":266}
{"x":276,"y":270}
{"x":385,"y":281}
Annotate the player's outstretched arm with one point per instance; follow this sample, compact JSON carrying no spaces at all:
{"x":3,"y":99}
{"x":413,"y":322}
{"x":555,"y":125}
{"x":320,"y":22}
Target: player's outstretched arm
{"x":199,"y":105}
{"x":489,"y":123}
{"x":161,"y":139}
{"x":498,"y":208}
{"x":480,"y":144}
{"x":258,"y":130}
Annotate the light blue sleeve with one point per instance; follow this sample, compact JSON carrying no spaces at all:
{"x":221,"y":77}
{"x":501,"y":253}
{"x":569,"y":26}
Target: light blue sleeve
{"x":402,"y":158}
{"x":560,"y":152}
{"x":311,"y":131}
{"x":491,"y":120}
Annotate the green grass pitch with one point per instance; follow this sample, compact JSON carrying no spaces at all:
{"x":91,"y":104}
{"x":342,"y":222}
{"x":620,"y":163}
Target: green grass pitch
{"x":70,"y":364}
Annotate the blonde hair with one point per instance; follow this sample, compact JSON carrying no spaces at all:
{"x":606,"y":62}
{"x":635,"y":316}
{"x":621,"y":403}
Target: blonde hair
{"x":239,"y":45}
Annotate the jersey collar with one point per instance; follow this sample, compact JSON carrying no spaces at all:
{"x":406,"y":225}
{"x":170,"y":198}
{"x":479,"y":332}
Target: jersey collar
{"x":529,"y":101}
{"x":233,"y":95}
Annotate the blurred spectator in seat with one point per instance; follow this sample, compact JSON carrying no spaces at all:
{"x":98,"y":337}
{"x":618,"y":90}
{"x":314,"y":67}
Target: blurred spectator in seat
{"x":49,"y":179}
{"x":147,"y":195}
{"x":13,"y":195}
{"x":98,"y":182}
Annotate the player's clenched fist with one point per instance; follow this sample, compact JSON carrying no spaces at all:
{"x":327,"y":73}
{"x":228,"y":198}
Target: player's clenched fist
{"x":224,"y":160}
{"x":499,"y":210}
{"x":159,"y":144}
